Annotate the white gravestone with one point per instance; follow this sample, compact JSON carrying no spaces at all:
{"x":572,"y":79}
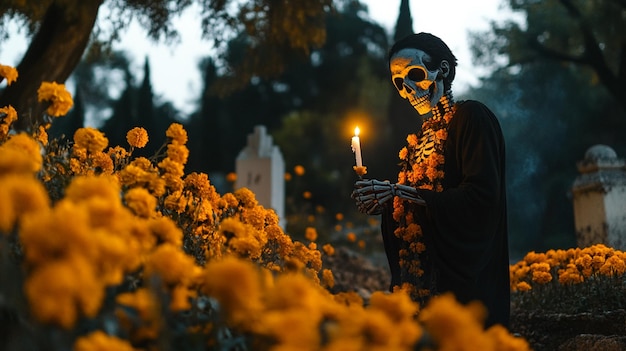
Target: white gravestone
{"x":599,"y":195}
{"x":260,"y":167}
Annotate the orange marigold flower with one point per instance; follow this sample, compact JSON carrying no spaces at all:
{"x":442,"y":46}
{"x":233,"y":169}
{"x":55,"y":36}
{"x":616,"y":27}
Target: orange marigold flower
{"x":523,"y":286}
{"x":441,"y":134}
{"x":246,"y":197}
{"x":177,"y":133}
{"x":60,"y":99}
{"x":298,"y":170}
{"x":178,"y":153}
{"x":98,"y":340}
{"x":310,"y":234}
{"x":8,"y":115}
{"x":20,"y":154}
{"x":412,"y":140}
{"x":90,"y":139}
{"x":351,"y":237}
{"x":287,"y":176}
{"x":307,"y":195}
{"x":9,"y":73}
{"x":327,"y":278}
{"x":328,"y":249}
{"x":102,"y":163}
{"x":240,"y":301}
{"x":231,"y":177}
{"x":404,"y":152}
{"x":141,"y":202}
{"x":137,"y":137}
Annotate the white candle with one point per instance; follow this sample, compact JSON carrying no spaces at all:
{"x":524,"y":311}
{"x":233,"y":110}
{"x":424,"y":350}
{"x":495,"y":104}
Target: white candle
{"x":356,"y":147}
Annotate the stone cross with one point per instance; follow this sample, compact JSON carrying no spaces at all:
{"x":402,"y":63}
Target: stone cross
{"x":260,"y":167}
{"x":599,"y":195}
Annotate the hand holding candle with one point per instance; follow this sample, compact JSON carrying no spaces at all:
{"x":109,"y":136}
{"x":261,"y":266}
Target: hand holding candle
{"x":356,"y":148}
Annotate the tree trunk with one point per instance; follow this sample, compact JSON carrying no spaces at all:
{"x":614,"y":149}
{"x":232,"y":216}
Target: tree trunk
{"x":54,"y":52}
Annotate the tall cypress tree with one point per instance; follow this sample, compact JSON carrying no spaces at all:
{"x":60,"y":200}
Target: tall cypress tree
{"x":116,"y":127}
{"x":145,"y":116}
{"x":403,"y":119}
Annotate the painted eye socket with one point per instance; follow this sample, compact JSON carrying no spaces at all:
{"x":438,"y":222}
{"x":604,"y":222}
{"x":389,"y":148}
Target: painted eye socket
{"x":416,"y":75}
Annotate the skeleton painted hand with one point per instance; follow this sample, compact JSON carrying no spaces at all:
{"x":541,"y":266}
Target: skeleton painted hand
{"x":372,"y":195}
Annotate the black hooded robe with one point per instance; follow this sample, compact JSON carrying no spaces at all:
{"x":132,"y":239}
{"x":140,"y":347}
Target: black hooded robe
{"x":465,"y":226}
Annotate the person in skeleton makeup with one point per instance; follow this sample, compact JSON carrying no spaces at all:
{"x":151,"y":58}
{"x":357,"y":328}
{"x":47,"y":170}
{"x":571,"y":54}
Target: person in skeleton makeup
{"x":444,"y":223}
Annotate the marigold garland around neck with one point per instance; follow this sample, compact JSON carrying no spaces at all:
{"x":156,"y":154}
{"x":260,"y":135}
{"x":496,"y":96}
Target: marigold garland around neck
{"x":422,"y":167}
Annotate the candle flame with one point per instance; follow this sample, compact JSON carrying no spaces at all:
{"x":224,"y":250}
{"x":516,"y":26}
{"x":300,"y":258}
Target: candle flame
{"x":357,"y":131}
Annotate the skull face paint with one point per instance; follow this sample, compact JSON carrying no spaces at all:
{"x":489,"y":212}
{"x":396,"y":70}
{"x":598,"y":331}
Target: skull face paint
{"x":415,"y":82}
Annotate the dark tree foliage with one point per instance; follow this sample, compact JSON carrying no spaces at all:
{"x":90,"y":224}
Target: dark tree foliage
{"x":588,"y":34}
{"x":403,"y":119}
{"x":62,"y":31}
{"x":306,"y":109}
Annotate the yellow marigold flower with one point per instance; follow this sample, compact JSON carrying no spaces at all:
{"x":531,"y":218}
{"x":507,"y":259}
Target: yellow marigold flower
{"x":178,"y":153}
{"x":117,"y":153}
{"x":243,"y":241}
{"x":90,"y":139}
{"x":351,"y":237}
{"x":165,"y":229}
{"x":100,"y":341}
{"x":236,"y":285}
{"x":398,"y":305}
{"x":141,"y":202}
{"x":20,"y":195}
{"x":328,"y":249}
{"x":613,"y":266}
{"x":147,"y":306}
{"x":172,"y":167}
{"x":8,"y":72}
{"x":523,"y":286}
{"x":8,"y":115}
{"x":201,"y":186}
{"x":20,"y":154}
{"x":310,"y":234}
{"x":541,"y":277}
{"x":327,"y":278}
{"x":59,"y":291}
{"x":41,"y":135}
{"x":453,"y":324}
{"x":505,"y":341}
{"x":175,"y":202}
{"x":298,"y":170}
{"x":177,"y":133}
{"x":60,"y":99}
{"x":87,"y":187}
{"x":172,"y":265}
{"x":246,"y":197}
{"x":102,"y":163}
{"x":137,"y":137}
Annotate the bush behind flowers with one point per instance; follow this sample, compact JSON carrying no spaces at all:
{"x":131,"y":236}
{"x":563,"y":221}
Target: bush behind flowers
{"x":101,"y":250}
